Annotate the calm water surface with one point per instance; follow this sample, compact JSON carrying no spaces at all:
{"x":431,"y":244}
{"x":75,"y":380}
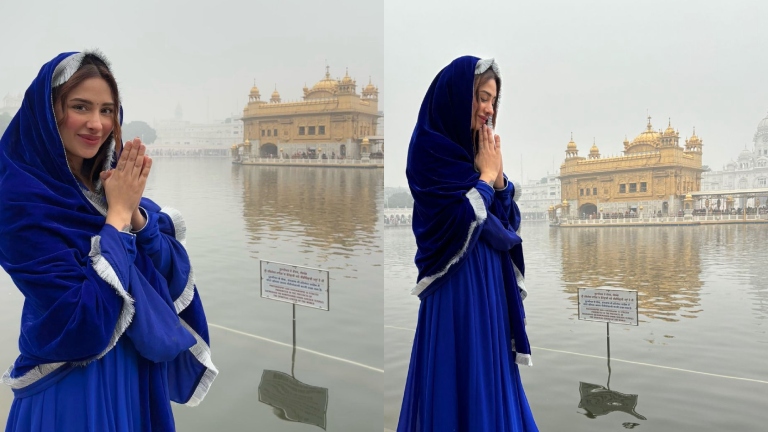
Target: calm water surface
{"x":697,"y":361}
{"x":322,"y":218}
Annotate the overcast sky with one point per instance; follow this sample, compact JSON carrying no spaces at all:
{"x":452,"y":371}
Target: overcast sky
{"x":593,"y":68}
{"x":204,"y":55}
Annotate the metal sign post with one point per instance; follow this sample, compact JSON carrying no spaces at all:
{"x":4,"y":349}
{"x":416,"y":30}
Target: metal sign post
{"x":303,"y":286}
{"x":616,"y":306}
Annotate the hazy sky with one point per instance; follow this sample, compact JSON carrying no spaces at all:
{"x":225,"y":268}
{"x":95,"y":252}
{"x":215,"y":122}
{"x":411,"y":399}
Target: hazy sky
{"x":201,"y":54}
{"x":593,"y":68}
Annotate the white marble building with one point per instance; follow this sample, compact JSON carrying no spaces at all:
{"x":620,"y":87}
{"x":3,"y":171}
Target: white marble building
{"x":537,"y":196}
{"x":179,"y":133}
{"x":748,"y":171}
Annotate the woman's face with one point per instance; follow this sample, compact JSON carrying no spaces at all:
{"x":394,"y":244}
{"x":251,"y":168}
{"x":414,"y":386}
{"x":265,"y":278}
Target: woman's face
{"x":89,"y":120}
{"x":482,"y":103}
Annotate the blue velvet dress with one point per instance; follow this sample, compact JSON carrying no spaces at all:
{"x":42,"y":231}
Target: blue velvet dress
{"x":112,"y":328}
{"x":462,"y":375}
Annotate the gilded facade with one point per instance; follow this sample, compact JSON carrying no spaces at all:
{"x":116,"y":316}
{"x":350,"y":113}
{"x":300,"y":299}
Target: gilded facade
{"x":653,"y":175}
{"x":331,"y":120}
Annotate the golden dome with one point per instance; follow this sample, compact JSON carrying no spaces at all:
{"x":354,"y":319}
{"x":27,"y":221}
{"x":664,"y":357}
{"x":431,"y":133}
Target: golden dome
{"x":571,"y":144}
{"x":275,"y":94}
{"x":346,"y":79}
{"x":254,"y":90}
{"x":370,"y":87}
{"x":365,"y":140}
{"x":693,"y":139}
{"x":669,"y":131}
{"x":594,"y":148}
{"x":326,"y":84}
{"x":648,"y":136}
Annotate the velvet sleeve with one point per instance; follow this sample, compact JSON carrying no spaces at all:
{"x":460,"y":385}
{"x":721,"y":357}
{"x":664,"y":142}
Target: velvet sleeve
{"x":192,"y":372}
{"x":77,"y":315}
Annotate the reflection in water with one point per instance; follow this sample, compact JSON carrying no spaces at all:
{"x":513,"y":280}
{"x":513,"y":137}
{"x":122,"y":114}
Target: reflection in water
{"x":662,"y":264}
{"x":292,"y":400}
{"x":597,"y":400}
{"x":323,"y":206}
{"x":746,"y":246}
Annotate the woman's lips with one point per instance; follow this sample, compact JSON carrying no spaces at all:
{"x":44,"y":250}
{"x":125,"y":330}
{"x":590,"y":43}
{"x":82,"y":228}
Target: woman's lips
{"x":90,"y":139}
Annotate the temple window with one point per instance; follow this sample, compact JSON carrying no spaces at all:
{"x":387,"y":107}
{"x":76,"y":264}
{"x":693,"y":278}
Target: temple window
{"x":301,"y":130}
{"x":311,"y":130}
{"x":263,"y":132}
{"x":274,"y":133}
{"x":632,"y":187}
{"x":321,"y":130}
{"x":581,"y":192}
{"x":643,"y":187}
{"x":594,"y":191}
{"x":622,"y":188}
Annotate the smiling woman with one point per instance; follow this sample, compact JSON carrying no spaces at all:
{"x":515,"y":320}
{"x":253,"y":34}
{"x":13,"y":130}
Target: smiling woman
{"x":113,"y":327}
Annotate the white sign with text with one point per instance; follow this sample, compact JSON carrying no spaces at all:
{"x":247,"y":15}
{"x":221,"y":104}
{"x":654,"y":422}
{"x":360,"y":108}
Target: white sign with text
{"x":614,"y":305}
{"x":289,"y":283}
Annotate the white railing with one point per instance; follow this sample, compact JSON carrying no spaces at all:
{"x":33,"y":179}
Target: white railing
{"x":315,"y":161}
{"x":666,"y":219}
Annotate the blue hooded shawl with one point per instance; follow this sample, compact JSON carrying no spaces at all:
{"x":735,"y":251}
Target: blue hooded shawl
{"x":85,"y":284}
{"x":453,"y":209}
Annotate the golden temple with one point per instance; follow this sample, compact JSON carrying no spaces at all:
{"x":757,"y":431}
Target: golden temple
{"x":653,"y":175}
{"x":331,"y":121}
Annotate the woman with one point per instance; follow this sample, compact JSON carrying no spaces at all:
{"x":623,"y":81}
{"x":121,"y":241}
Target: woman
{"x":470,"y":335}
{"x":112,"y":327}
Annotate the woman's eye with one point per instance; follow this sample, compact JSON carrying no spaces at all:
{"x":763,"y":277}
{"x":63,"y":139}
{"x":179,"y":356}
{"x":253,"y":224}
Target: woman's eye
{"x":107,"y":111}
{"x":78,"y":107}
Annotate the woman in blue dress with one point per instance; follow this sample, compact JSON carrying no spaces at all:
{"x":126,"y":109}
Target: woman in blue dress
{"x":112,"y":328}
{"x":463,"y":374}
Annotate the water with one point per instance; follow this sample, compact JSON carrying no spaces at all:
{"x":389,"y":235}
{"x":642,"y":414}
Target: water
{"x":703,"y":307}
{"x":322,"y":218}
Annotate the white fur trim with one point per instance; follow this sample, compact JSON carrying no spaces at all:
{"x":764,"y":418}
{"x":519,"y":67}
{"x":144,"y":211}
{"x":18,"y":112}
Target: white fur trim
{"x":484,"y":64}
{"x":34,"y":375}
{"x":202,"y":353}
{"x":520,"y":282}
{"x":104,"y":269}
{"x":179,"y":226}
{"x":187,"y":295}
{"x":67,"y":67}
{"x":107,"y":273}
{"x":480,"y":214}
{"x":523,"y":359}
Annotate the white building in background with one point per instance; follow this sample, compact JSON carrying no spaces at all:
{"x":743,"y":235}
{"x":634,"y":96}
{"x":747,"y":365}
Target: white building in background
{"x":380,"y":125}
{"x":179,"y":133}
{"x":537,"y":196}
{"x":11,"y":104}
{"x":748,"y":171}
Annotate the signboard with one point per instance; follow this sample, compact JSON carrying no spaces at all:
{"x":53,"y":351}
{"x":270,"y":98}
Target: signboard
{"x":294,"y":400}
{"x":614,"y":305}
{"x":302,"y":286}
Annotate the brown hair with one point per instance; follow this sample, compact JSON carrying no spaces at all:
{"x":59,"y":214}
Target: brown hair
{"x":482,"y":79}
{"x":91,"y":67}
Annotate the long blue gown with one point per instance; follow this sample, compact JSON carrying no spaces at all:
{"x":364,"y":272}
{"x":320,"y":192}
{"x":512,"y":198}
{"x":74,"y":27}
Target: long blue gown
{"x":462,"y":376}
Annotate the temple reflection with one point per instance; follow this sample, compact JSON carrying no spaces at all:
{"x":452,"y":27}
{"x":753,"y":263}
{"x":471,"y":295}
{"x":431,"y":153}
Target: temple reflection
{"x":325,"y":207}
{"x":662,"y":264}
